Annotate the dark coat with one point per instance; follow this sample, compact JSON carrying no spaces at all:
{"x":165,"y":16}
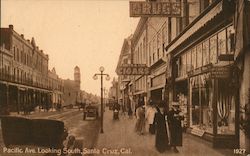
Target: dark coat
{"x":161,"y":138}
{"x":174,"y":121}
{"x":116,"y":107}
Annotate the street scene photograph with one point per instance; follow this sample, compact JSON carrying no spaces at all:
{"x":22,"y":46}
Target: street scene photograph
{"x":125,"y":78}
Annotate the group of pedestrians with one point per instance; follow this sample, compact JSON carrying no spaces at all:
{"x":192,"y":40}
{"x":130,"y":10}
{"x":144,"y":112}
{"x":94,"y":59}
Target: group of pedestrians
{"x":165,"y":125}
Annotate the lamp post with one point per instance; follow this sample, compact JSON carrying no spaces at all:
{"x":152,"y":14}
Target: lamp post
{"x":95,"y":77}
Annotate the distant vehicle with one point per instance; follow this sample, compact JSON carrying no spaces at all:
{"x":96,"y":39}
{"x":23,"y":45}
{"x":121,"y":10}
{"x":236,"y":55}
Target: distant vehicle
{"x":90,"y":111}
{"x":81,"y":105}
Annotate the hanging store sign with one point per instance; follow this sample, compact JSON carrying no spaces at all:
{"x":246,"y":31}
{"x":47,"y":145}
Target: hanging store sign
{"x":133,"y":69}
{"x":220,"y":72}
{"x":149,"y":9}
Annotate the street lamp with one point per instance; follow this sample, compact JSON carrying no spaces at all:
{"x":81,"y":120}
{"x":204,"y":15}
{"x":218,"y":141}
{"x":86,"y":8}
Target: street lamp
{"x":95,"y":77}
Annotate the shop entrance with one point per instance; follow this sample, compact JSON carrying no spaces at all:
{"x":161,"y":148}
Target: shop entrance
{"x":156,"y":95}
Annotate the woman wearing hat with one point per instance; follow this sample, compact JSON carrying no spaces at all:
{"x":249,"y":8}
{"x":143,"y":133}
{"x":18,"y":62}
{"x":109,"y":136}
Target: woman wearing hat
{"x":174,"y":121}
{"x":161,"y":138}
{"x":140,"y":116}
{"x":150,"y":115}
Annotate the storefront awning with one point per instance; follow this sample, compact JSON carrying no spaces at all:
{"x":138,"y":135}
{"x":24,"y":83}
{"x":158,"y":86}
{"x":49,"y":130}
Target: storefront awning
{"x":198,"y":23}
{"x":25,"y":87}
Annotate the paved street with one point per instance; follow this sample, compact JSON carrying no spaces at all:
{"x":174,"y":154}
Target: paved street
{"x":84,"y":131}
{"x":120,"y":134}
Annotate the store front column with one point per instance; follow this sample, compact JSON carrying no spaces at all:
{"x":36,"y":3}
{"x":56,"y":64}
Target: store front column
{"x":7,"y":99}
{"x":18,"y":100}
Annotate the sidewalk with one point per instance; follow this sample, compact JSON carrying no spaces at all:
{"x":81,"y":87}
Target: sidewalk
{"x":120,"y":134}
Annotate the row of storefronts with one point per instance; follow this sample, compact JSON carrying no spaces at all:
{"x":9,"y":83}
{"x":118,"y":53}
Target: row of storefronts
{"x":27,"y":84}
{"x":25,"y":81}
{"x":203,"y":68}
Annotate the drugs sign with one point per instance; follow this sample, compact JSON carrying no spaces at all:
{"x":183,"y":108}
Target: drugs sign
{"x":149,"y":9}
{"x":133,"y":69}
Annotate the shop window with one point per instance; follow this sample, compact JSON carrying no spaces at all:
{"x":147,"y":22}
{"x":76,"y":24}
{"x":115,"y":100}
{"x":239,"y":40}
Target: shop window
{"x":201,"y":106}
{"x":222,"y":42}
{"x":213,"y":49}
{"x":205,"y":50}
{"x":225,"y":109}
{"x":199,"y":55}
{"x":195,"y":107}
{"x":194,"y":56}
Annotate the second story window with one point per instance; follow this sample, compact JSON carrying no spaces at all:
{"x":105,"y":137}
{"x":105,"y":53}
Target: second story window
{"x":222,"y":42}
{"x":158,"y":53}
{"x":213,"y":49}
{"x":153,"y":57}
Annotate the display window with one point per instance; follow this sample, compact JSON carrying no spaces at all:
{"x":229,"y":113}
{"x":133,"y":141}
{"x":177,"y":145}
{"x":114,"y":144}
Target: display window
{"x":225,"y":109}
{"x":201,"y":105}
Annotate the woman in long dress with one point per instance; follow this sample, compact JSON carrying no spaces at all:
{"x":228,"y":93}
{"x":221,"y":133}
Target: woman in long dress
{"x":174,"y":121}
{"x":140,"y":116}
{"x":161,"y":138}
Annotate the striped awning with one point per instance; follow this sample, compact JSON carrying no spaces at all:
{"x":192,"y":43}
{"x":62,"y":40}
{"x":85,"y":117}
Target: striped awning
{"x":196,"y":26}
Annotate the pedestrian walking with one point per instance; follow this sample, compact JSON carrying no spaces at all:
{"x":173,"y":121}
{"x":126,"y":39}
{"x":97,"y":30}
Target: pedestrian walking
{"x":130,"y":112}
{"x":123,"y":110}
{"x":161,"y":138}
{"x":174,"y":121}
{"x":116,"y":109}
{"x":140,"y":116}
{"x":150,"y":115}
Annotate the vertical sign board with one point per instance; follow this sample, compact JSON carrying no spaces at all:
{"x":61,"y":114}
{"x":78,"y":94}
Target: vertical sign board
{"x":149,"y":9}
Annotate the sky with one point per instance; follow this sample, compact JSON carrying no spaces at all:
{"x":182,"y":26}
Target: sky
{"x":84,"y":33}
